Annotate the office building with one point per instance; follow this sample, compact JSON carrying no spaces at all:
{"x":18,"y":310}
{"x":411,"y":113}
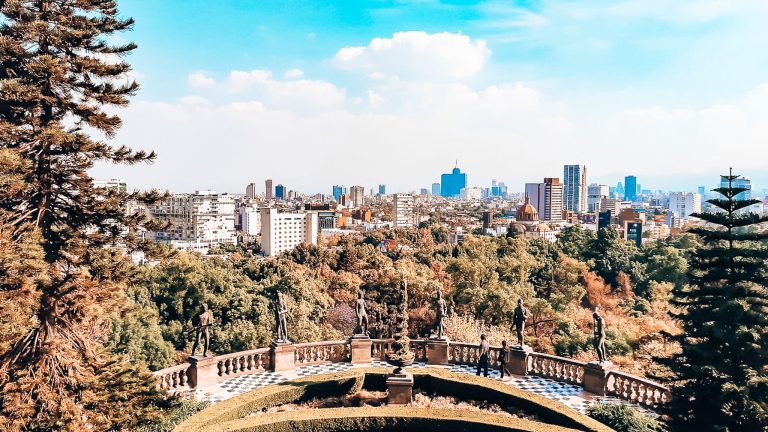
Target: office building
{"x":473,"y":193}
{"x":436,"y":189}
{"x":269,"y":191}
{"x":250,"y":191}
{"x":684,"y":203}
{"x":595,"y":193}
{"x":357,"y":196}
{"x":198,"y":221}
{"x":424,"y":191}
{"x":338,"y":191}
{"x":630,"y":188}
{"x":281,"y":192}
{"x":741,"y":183}
{"x":382,"y":189}
{"x":402,"y":214}
{"x":575,"y":188}
{"x":281,"y":232}
{"x":603,"y":219}
{"x":633,"y":232}
{"x":451,"y":184}
{"x":547,"y":198}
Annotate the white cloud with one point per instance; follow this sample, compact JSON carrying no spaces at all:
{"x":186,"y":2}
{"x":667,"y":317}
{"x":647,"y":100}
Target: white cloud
{"x":293,"y":73}
{"x":200,"y":79}
{"x":417,"y":54}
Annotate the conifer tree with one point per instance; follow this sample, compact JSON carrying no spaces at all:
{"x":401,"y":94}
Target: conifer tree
{"x":721,"y":377}
{"x":60,"y":72}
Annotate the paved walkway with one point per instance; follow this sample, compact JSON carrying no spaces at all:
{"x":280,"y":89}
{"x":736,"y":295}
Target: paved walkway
{"x":568,"y":394}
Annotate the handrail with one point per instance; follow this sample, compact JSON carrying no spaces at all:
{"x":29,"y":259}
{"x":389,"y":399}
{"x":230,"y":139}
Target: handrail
{"x":556,"y":368}
{"x":637,"y":390}
{"x":174,"y":378}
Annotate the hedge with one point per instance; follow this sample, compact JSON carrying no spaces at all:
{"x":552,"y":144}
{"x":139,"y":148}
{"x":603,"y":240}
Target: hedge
{"x":439,"y":381}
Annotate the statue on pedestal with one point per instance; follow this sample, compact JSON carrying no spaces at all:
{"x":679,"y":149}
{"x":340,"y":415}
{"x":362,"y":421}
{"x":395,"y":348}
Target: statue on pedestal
{"x":519,"y":318}
{"x":280,"y":319}
{"x":441,"y":311}
{"x":204,"y":322}
{"x":599,"y":335}
{"x":362,"y":315}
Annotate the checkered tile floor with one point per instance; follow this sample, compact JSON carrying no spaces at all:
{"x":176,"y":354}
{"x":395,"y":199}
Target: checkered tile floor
{"x":567,"y":394}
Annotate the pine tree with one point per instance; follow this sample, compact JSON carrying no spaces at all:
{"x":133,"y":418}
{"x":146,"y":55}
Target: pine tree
{"x":721,"y":376}
{"x":59,"y":73}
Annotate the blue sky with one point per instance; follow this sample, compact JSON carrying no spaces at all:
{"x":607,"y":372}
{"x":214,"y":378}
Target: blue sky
{"x":511,"y":89}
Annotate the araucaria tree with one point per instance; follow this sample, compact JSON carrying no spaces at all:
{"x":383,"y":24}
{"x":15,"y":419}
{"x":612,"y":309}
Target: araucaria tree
{"x":721,"y":373}
{"x":60,"y":72}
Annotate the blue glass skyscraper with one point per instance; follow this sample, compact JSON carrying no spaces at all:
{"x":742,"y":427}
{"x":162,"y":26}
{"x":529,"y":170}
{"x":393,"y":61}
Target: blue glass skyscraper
{"x":280,"y":191}
{"x":452,"y":184}
{"x":338,"y":191}
{"x":630,"y":188}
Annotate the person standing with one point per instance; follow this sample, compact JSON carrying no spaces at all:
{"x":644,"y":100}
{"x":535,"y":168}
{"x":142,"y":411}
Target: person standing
{"x":485,"y":348}
{"x":503,"y":357}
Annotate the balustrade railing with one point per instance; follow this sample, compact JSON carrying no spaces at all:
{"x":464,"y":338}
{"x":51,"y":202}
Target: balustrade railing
{"x":637,"y":390}
{"x":174,"y":378}
{"x":463,"y":353}
{"x":379,"y":348}
{"x":419,"y":348}
{"x":321,"y":352}
{"x":556,"y":368}
{"x":257,"y":360}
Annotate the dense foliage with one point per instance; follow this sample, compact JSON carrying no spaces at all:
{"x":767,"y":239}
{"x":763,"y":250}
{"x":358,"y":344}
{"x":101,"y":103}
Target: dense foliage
{"x":721,"y":376}
{"x":623,"y":418}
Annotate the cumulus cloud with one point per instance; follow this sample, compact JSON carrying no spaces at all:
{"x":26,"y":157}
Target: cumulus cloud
{"x":417,"y":54}
{"x":200,"y":79}
{"x":293,"y":73}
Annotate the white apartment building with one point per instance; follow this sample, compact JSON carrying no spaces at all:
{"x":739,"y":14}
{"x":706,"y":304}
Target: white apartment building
{"x":685,"y":203}
{"x":198,"y":221}
{"x":547,"y":199}
{"x":473,"y":193}
{"x":282,"y":232}
{"x":575,"y":188}
{"x":595,"y":193}
{"x":403,"y":211}
{"x":250,"y":220}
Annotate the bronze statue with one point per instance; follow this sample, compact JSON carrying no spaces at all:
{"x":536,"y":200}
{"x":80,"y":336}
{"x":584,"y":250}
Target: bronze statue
{"x":280,"y":319}
{"x":362,"y":315}
{"x":205,"y":321}
{"x":599,"y":336}
{"x":519,"y":318}
{"x":441,"y":311}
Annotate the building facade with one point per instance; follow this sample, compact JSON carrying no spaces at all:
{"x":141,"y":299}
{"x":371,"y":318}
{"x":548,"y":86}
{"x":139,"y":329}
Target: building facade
{"x":402,"y":214}
{"x":357,"y":196}
{"x":281,"y":232}
{"x":281,"y":192}
{"x":269,"y":191}
{"x":547,"y":198}
{"x":435,"y":189}
{"x":595,"y":193}
{"x":575,"y":188}
{"x":338,"y":191}
{"x":630,"y":188}
{"x":684,"y":203}
{"x":452,"y":183}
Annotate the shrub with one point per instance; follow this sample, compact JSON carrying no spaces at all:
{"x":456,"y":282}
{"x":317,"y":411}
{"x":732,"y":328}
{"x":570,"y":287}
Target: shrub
{"x":623,"y":418}
{"x":175,"y":415}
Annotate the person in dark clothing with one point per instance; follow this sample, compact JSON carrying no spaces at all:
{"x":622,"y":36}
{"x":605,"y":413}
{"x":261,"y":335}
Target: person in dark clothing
{"x":485,"y":348}
{"x":503,"y":357}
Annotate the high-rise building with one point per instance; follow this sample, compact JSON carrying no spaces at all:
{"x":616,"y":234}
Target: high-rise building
{"x":281,"y":192}
{"x":250,"y":191}
{"x":402,"y":215}
{"x":436,"y":189}
{"x":250,"y":220}
{"x":269,"y":191}
{"x":487,"y":219}
{"x":575,"y":188}
{"x":282,"y":232}
{"x":619,"y":191}
{"x":198,"y":221}
{"x":451,"y":184}
{"x":382,"y":189}
{"x":357,"y":196}
{"x":630,"y":188}
{"x":702,"y":190}
{"x":596,"y":192}
{"x":547,"y":198}
{"x":338,"y":191}
{"x":424,"y":191}
{"x":741,"y":183}
{"x":685,"y":203}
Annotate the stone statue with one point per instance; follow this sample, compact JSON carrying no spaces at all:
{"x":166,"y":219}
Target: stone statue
{"x":280,"y":318}
{"x":519,"y":318}
{"x":441,"y":311}
{"x":205,"y":321}
{"x":599,"y":336}
{"x":362,"y":315}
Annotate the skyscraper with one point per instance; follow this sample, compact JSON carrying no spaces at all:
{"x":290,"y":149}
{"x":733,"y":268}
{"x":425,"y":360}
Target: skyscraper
{"x":250,"y":190}
{"x":451,"y":184}
{"x":338,"y":191}
{"x":436,"y":189}
{"x":575,"y":188}
{"x":595,"y":192}
{"x":382,"y":189}
{"x":280,"y":192}
{"x":403,"y":211}
{"x":630,"y":188}
{"x":269,"y":189}
{"x":357,"y":196}
{"x":547,"y":198}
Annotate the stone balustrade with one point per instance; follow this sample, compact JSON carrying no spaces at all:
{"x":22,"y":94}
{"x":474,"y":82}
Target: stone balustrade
{"x":603,"y":379}
{"x":556,"y":368}
{"x":637,"y":390}
{"x":321,"y":352}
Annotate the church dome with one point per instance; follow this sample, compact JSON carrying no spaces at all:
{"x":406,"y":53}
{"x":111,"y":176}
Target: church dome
{"x":517,"y":228}
{"x":527,"y":212}
{"x":542,"y":227}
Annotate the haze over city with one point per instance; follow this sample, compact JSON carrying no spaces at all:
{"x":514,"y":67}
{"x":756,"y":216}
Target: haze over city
{"x":314,"y":94}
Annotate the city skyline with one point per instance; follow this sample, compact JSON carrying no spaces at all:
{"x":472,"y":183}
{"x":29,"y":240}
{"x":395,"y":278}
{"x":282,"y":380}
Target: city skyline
{"x":308,"y":93}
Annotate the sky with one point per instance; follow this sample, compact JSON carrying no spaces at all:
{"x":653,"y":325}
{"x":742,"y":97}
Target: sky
{"x":312,"y":93}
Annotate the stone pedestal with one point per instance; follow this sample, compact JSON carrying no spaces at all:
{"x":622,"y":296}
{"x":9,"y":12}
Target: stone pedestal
{"x":437,"y":351}
{"x":400,"y":389}
{"x":282,"y":357}
{"x":203,"y":371}
{"x":360,"y":347}
{"x":517,"y":361}
{"x":596,"y":376}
